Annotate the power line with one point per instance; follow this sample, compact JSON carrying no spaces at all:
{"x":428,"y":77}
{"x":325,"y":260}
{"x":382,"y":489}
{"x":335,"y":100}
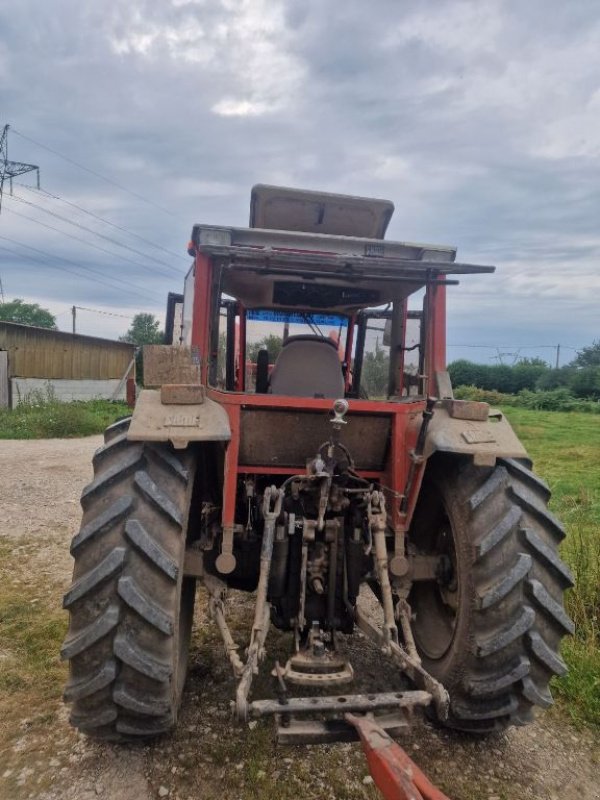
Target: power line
{"x":96,"y":174}
{"x":106,"y":313}
{"x":520,"y":346}
{"x":64,"y":311}
{"x":83,"y":241}
{"x":75,"y":309}
{"x":101,"y":280}
{"x":104,"y":220}
{"x":95,"y":233}
{"x":55,"y":266}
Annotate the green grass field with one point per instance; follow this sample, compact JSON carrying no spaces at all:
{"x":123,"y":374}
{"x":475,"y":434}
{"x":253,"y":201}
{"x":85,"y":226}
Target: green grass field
{"x":565,"y":448}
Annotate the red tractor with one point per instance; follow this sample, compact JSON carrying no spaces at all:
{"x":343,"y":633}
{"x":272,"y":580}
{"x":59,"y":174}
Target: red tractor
{"x":275,"y":473}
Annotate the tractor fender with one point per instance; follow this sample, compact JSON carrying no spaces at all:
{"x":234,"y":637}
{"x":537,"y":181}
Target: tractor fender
{"x":155,"y":420}
{"x":485,"y":439}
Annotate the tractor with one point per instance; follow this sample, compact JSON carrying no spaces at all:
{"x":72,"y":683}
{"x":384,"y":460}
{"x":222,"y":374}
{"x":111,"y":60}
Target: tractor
{"x":339,"y":504}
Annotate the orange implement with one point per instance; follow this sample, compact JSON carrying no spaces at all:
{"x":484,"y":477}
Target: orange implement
{"x":395,"y":774}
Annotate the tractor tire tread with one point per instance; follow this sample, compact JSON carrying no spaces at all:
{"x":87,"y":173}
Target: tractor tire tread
{"x":123,"y":642}
{"x":101,"y":572}
{"x":103,"y":522}
{"x":502,"y":659}
{"x":142,"y":541}
{"x":116,"y":429}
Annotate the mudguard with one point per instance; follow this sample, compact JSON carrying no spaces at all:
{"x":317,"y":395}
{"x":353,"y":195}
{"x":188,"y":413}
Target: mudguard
{"x":486,"y":439}
{"x":180,"y":423}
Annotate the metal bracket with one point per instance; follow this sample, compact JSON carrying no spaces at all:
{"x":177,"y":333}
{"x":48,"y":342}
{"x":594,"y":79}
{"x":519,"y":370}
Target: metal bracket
{"x":226,"y":561}
{"x":272,"y":501}
{"x":377,"y":517}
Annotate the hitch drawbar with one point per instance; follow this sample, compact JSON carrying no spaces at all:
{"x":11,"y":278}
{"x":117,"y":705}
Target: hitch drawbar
{"x":394,"y":773}
{"x":296,"y":723}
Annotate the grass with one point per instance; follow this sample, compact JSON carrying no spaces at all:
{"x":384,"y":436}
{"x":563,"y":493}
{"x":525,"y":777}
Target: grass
{"x":41,"y":416}
{"x":565,"y":448}
{"x":31,"y":630}
{"x":32,"y":627}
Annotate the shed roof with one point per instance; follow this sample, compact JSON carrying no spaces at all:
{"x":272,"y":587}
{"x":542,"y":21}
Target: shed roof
{"x":14,"y":327}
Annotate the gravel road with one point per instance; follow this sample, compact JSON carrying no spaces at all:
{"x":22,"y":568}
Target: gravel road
{"x":209,"y":757}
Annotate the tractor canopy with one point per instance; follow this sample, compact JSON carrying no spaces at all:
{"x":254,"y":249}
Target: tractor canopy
{"x":315,"y":263}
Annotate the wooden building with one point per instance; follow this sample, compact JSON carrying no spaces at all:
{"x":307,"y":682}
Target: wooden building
{"x":75,"y":367}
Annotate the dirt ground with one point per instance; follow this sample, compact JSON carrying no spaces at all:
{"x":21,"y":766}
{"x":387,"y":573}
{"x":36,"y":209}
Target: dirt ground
{"x":208,"y":756}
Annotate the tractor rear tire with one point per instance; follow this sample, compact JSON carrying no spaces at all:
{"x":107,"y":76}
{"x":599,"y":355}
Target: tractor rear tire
{"x":490,"y":629}
{"x":130,"y":607}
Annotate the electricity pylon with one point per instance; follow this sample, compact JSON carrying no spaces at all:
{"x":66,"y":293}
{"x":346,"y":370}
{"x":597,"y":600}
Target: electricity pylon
{"x":11,"y":169}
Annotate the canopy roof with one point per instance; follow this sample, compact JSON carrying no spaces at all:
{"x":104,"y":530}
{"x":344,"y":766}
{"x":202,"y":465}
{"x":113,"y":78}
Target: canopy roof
{"x":287,"y":269}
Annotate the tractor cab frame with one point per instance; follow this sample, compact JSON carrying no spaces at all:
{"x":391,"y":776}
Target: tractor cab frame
{"x":238,"y":270}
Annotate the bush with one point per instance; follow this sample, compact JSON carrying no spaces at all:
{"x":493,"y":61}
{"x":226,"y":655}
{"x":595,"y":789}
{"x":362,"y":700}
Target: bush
{"x":555,"y":378}
{"x":484,"y":396}
{"x":585,"y":382}
{"x":498,"y":377}
{"x":531,"y":375}
{"x":554,"y":400}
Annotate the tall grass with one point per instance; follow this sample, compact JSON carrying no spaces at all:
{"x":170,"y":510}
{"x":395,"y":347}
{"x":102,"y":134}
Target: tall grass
{"x":39,"y":415}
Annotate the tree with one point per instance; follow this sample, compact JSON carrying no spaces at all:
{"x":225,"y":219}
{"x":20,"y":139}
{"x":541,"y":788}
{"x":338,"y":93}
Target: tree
{"x":585,"y":382}
{"x":527,"y":372}
{"x":375,"y":371}
{"x":27,"y":314}
{"x":589,"y":356}
{"x":272,"y":343}
{"x":555,"y":378}
{"x":144,"y":329}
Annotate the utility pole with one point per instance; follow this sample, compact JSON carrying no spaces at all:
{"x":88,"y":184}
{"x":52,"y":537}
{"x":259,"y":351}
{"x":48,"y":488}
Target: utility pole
{"x":74,"y":313}
{"x":1,"y":292}
{"x":557,"y":355}
{"x":12,"y":169}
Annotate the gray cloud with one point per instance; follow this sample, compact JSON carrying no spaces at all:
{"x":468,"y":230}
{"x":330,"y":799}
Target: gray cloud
{"x":480,"y":120}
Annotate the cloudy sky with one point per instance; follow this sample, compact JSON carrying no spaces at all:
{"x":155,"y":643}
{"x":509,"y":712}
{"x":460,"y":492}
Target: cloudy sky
{"x":480,"y":120}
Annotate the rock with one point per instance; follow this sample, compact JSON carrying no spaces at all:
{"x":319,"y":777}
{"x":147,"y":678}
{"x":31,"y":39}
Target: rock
{"x":367,"y":780}
{"x":163,"y":791}
{"x":54,"y":762}
{"x":252,"y":724}
{"x":98,"y":788}
{"x":261,"y":774}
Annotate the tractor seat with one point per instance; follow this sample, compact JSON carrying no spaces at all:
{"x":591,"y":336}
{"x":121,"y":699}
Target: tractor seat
{"x":308,"y":366}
